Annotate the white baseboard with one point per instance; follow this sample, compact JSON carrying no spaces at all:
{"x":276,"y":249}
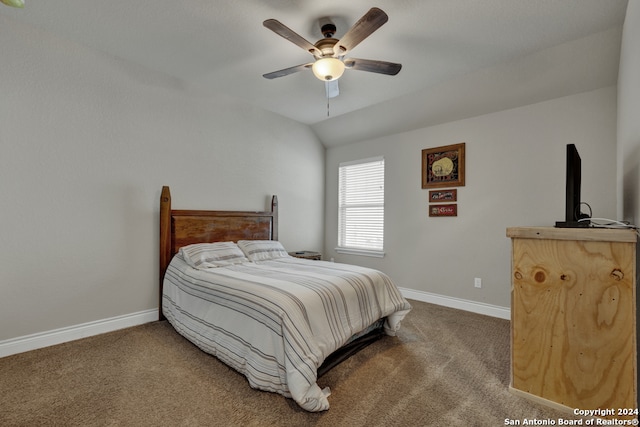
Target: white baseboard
{"x":58,"y":336}
{"x":460,"y":304}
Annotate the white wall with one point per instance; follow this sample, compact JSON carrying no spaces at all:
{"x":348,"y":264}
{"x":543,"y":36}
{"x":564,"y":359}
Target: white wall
{"x":629,"y":124}
{"x":629,"y":116}
{"x":86,"y":143}
{"x":515,"y":176}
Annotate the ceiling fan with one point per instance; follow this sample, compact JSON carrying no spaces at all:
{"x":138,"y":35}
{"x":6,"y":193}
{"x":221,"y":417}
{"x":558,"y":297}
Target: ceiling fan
{"x":14,"y":3}
{"x":329,"y":53}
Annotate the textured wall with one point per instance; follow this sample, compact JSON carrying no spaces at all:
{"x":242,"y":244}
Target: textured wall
{"x":628,"y":123}
{"x":515,"y":176}
{"x":86,"y":143}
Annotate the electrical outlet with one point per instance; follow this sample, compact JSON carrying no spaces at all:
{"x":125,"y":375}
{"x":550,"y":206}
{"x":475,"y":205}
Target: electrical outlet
{"x":477,"y":282}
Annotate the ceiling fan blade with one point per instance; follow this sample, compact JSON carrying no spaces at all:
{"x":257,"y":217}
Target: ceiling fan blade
{"x":331,"y":88}
{"x":287,"y":71}
{"x":373,"y":66}
{"x":286,"y":32}
{"x":371,"y":21}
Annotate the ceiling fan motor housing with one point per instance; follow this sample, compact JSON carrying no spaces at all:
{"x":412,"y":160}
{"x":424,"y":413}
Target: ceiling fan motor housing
{"x":326,"y":46}
{"x":328,"y":30}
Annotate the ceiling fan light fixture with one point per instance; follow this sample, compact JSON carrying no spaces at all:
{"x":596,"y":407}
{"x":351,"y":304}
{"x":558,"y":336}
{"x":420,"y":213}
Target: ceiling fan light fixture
{"x":14,"y":3}
{"x":328,"y":69}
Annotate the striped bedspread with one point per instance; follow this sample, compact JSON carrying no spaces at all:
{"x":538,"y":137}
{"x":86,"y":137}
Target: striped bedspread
{"x":276,"y":321}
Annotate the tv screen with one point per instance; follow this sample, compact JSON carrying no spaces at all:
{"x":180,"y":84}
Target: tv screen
{"x":573,"y":216}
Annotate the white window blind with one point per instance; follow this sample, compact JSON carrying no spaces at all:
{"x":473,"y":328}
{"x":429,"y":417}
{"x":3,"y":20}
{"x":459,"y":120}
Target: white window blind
{"x":361,"y":206}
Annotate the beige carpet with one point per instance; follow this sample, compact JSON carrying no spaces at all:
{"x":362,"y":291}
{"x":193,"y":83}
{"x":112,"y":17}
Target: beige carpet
{"x":446,"y":368}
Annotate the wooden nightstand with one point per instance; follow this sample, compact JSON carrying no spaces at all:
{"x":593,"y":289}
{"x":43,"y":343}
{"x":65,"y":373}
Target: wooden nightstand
{"x":307,"y":255}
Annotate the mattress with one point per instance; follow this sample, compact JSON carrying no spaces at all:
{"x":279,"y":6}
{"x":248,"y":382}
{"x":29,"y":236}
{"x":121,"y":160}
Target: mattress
{"x":276,"y":321}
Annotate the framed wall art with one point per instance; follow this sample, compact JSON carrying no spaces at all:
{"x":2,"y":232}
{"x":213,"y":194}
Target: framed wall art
{"x":443,"y":166}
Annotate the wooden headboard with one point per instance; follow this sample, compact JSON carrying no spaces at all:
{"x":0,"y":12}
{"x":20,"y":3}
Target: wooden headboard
{"x":184,"y":227}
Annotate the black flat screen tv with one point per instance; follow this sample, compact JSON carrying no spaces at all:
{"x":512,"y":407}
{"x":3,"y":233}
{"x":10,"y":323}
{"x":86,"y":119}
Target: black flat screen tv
{"x":573,"y":217}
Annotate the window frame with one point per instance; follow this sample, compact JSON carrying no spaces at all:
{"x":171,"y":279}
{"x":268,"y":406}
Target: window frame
{"x":357,"y":250}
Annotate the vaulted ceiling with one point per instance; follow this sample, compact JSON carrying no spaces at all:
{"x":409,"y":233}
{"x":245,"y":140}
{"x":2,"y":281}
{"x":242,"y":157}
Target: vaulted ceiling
{"x":460,"y":57}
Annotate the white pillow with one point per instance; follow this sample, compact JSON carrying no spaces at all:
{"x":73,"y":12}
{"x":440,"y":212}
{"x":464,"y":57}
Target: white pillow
{"x":260,"y":250}
{"x":210,"y":255}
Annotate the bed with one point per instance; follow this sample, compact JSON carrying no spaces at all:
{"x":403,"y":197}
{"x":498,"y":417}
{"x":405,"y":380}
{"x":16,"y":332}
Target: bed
{"x":230,"y":287}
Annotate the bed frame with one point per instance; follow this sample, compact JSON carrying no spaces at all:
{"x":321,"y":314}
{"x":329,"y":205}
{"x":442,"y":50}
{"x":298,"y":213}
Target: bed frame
{"x":180,"y":228}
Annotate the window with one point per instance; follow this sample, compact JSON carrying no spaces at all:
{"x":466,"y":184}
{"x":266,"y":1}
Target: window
{"x":361,"y":207}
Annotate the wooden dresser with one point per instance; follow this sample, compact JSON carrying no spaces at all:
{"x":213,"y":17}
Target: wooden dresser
{"x":573,"y":317}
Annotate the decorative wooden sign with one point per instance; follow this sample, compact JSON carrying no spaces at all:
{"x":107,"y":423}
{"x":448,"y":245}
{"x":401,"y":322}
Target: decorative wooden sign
{"x":443,"y":210}
{"x":440,"y":196}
